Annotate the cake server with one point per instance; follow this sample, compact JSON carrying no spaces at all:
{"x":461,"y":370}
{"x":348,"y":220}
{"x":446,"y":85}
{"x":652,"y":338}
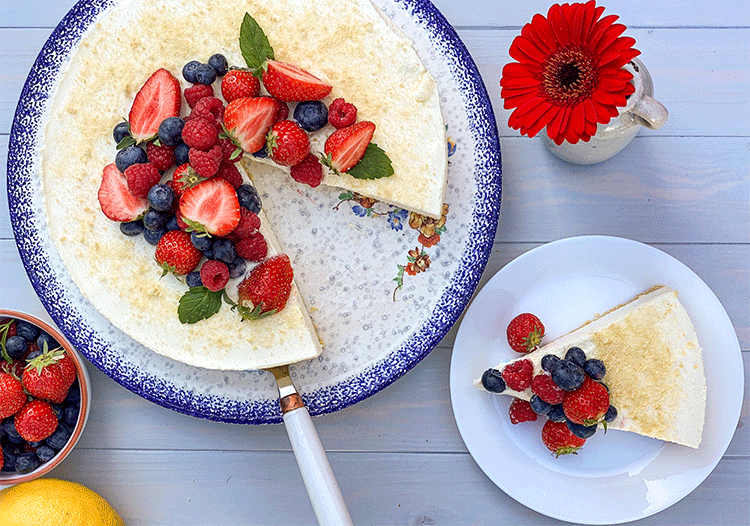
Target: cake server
{"x":325,"y":495}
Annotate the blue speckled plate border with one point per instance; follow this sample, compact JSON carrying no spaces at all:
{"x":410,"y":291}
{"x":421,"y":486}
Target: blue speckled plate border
{"x":72,"y":321}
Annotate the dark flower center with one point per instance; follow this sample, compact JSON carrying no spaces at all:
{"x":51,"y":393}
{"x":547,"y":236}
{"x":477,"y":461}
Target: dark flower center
{"x":569,"y":76}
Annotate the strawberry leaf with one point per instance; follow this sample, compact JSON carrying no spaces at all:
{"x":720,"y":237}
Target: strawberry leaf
{"x":374,"y":164}
{"x":198,"y":303}
{"x":256,"y":49}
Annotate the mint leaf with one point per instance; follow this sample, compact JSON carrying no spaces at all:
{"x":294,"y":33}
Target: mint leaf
{"x":198,"y":303}
{"x":254,"y":45}
{"x":375,"y":164}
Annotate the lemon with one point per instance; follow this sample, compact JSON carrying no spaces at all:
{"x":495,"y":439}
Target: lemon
{"x":54,"y":502}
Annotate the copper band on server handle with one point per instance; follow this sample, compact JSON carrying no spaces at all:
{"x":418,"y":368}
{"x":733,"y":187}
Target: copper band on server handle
{"x":291,"y":402}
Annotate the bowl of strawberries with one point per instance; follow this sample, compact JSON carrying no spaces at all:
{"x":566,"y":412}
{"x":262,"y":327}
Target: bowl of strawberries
{"x":45,"y":397}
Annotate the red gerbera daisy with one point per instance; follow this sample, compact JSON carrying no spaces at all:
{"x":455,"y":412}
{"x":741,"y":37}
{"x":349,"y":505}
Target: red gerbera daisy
{"x":568,"y":75}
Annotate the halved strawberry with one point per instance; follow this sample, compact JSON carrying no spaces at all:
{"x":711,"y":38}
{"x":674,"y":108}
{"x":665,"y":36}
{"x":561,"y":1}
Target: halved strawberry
{"x":117,"y":203}
{"x":346,"y":147}
{"x":266,"y":289}
{"x":292,"y":84}
{"x":247,"y":120}
{"x":211,"y":206}
{"x":158,"y":99}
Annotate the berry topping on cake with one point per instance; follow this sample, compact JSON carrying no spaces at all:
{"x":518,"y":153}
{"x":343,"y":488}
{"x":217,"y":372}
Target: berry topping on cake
{"x":311,"y":115}
{"x":116,"y":201}
{"x":266,"y":289}
{"x":211,"y":206}
{"x":346,"y":147}
{"x":588,"y":404}
{"x":130,"y":155}
{"x":141,"y":177}
{"x":253,"y":247}
{"x":493,"y":381}
{"x":521,"y":411}
{"x":160,"y":155}
{"x":558,"y":438}
{"x":525,"y":332}
{"x":341,"y":113}
{"x":289,"y":83}
{"x":214,"y":275}
{"x":185,"y":177}
{"x":158,"y":99}
{"x":247,"y":121}
{"x":197,"y":92}
{"x":239,"y":83}
{"x":230,"y":174}
{"x":594,"y":368}
{"x":287,"y":143}
{"x":576,"y":355}
{"x":518,"y":375}
{"x":206,"y":163}
{"x":200,"y":133}
{"x":170,"y":131}
{"x":545,"y":388}
{"x":309,"y":171}
{"x":567,"y":375}
{"x":176,"y":254}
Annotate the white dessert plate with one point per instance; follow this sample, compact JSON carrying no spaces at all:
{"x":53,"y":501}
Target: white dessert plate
{"x":616,"y":477}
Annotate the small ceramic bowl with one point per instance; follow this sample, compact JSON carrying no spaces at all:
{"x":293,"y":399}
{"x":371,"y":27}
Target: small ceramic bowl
{"x":8,"y":478}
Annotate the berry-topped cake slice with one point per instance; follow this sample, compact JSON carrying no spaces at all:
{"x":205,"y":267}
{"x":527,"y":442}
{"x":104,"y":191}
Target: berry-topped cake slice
{"x":637,"y":368}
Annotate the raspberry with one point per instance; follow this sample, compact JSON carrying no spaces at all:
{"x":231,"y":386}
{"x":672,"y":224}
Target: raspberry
{"x":248,"y":225}
{"x":208,"y":106}
{"x":160,"y":156}
{"x":253,"y":248}
{"x":230,"y":172}
{"x":283,"y":113}
{"x":232,"y":152}
{"x":517,"y":375}
{"x":214,"y":275}
{"x":309,"y":171}
{"x":206,"y":164}
{"x":196,"y":92}
{"x":341,"y":113}
{"x":545,"y":388}
{"x":141,"y":177}
{"x":521,"y":411}
{"x":200,"y":133}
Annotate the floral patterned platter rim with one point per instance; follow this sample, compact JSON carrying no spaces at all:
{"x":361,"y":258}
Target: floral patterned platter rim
{"x":471,"y":123}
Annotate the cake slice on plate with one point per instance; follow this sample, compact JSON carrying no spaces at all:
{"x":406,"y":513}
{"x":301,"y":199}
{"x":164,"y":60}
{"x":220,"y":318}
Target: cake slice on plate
{"x":654,"y":366}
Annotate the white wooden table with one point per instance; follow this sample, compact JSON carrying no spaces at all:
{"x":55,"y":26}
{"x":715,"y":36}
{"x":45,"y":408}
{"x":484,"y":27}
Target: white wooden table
{"x":398,"y":456}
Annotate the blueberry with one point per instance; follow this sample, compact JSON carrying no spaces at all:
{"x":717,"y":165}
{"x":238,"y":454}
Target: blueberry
{"x":219,"y":63}
{"x":224,"y":251}
{"x":27,"y":330}
{"x":209,"y":253}
{"x":130,"y":156}
{"x":27,"y":463}
{"x":237,"y":267}
{"x":581,"y":431}
{"x":576,"y":355}
{"x":181,"y":154}
{"x":594,"y":368}
{"x":556,"y":413}
{"x":311,"y":115}
{"x":567,"y":375}
{"x":9,"y":456}
{"x":539,"y":406}
{"x":156,"y":220}
{"x":201,"y":241}
{"x":59,"y":411}
{"x":16,"y":346}
{"x":548,"y":361}
{"x":170,"y":131}
{"x":262,"y":153}
{"x":172,"y":224}
{"x":205,"y":74}
{"x":121,"y":131}
{"x":189,"y":70}
{"x":611,"y":414}
{"x":45,"y":338}
{"x":493,"y":381}
{"x":132,"y":228}
{"x":33,"y":354}
{"x":193,"y":279}
{"x":70,"y":414}
{"x":9,"y":426}
{"x":59,"y":438}
{"x":74,"y":393}
{"x":249,"y":198}
{"x":161,"y":198}
{"x":152,"y":237}
{"x":45,"y":453}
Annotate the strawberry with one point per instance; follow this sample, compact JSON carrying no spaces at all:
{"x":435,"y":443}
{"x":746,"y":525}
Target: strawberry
{"x":158,"y":99}
{"x":521,"y":411}
{"x":141,"y":177}
{"x":248,"y":120}
{"x":525,"y":332}
{"x":239,"y":83}
{"x":291,"y":84}
{"x":309,"y":171}
{"x":266,"y":289}
{"x":35,"y":421}
{"x":346,"y":147}
{"x":183,"y":178}
{"x":116,"y":201}
{"x":211,"y":206}
{"x":49,"y":376}
{"x":12,"y":396}
{"x":558,"y":438}
{"x":288,"y":143}
{"x":341,"y":113}
{"x":588,"y":404}
{"x":214,"y":275}
{"x":206,"y":164}
{"x":175,"y":253}
{"x":517,"y":375}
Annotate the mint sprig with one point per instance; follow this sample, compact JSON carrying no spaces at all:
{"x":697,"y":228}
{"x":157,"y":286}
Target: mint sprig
{"x":198,"y":303}
{"x":256,"y":49}
{"x":375,"y":164}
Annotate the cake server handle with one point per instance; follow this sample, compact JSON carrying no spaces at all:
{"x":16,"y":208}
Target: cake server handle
{"x":322,"y":488}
